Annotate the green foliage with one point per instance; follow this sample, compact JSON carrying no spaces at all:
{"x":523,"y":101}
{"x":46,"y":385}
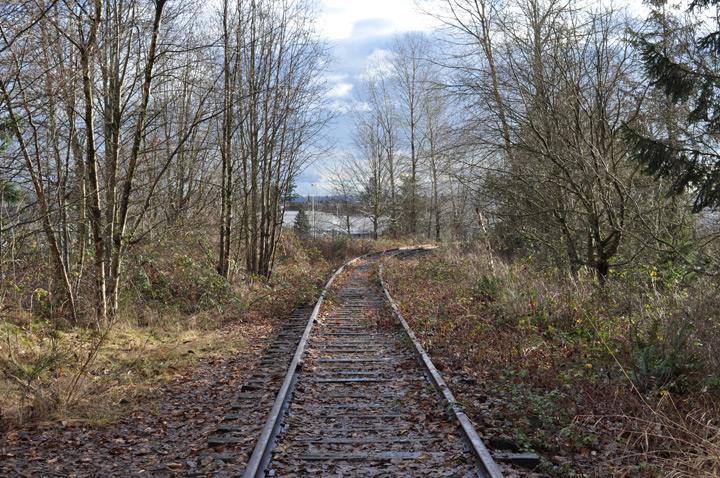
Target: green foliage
{"x":538,"y":415}
{"x":10,"y":191}
{"x":30,"y":357}
{"x":291,"y":191}
{"x":549,"y":347}
{"x":168,"y":277}
{"x":488,"y":287}
{"x":43,"y":356}
{"x":680,"y":61}
{"x":309,"y":290}
{"x":663,"y":357}
{"x":440,"y":269}
{"x":4,"y":129}
{"x":302,"y":223}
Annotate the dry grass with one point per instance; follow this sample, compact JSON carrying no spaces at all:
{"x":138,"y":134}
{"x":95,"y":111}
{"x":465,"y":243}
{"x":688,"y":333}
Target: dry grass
{"x":683,"y":444}
{"x":583,"y":371}
{"x":174,"y":310}
{"x":665,"y":441}
{"x":81,"y":374}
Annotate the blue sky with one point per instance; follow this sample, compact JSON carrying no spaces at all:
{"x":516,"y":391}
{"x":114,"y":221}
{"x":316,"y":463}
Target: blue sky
{"x":356,"y":30}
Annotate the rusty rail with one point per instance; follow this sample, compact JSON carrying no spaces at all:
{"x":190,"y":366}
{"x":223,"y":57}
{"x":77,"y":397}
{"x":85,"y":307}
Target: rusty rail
{"x":262,"y":452}
{"x":487,"y":466}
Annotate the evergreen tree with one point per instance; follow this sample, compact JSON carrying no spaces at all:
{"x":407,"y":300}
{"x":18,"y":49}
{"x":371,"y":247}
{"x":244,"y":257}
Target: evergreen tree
{"x":681,"y":57}
{"x":10,"y":191}
{"x":291,"y":194}
{"x":302,"y":223}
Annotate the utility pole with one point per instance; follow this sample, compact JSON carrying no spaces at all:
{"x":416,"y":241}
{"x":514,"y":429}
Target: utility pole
{"x":313,"y":209}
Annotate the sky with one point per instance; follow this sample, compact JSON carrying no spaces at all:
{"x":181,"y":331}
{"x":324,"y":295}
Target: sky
{"x":355,"y":31}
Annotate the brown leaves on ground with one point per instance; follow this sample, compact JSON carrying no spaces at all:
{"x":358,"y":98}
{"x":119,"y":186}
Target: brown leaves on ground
{"x":164,"y":435}
{"x":528,"y":387}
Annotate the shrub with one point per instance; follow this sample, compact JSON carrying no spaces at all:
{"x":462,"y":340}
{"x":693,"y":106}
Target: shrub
{"x":662,"y":357}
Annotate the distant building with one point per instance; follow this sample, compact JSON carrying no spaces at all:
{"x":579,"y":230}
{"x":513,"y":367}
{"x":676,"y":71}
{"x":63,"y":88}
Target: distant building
{"x":330,"y":224}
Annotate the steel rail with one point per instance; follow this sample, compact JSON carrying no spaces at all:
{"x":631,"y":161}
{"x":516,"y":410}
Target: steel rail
{"x":262,"y":452}
{"x":487,"y":467}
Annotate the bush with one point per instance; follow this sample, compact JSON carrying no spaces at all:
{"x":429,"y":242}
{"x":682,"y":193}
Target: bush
{"x":179,"y":277}
{"x":663,"y":357}
{"x":556,"y":350}
{"x":488,"y":287}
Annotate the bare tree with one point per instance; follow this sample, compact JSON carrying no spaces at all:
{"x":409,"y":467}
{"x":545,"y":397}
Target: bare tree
{"x":474,"y":30}
{"x":345,"y":191}
{"x":377,"y":135}
{"x":19,"y":88}
{"x":273,"y":117}
{"x":230,"y":59}
{"x":114,"y":51}
{"x":437,"y":153}
{"x":95,"y":128}
{"x":368,"y":172}
{"x":556,"y":84}
{"x":410,"y":81}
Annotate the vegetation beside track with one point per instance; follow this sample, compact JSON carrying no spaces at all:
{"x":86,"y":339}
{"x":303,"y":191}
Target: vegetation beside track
{"x":176,"y":309}
{"x":613,"y":380}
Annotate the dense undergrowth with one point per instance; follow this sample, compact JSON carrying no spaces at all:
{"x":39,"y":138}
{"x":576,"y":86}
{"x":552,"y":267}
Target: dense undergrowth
{"x":614,"y":380}
{"x":174,"y":308}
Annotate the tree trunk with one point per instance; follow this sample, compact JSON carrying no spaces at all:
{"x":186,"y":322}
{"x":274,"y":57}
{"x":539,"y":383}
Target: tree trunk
{"x":37,"y":180}
{"x":225,"y":152}
{"x":119,"y":240}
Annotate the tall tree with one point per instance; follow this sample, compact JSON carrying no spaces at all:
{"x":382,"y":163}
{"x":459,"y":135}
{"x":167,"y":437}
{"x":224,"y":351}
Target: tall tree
{"x":411,"y":84}
{"x":555,"y":169}
{"x":17,"y":92}
{"x":229,"y":93}
{"x":680,"y":55}
{"x":437,"y":153}
{"x":343,"y":189}
{"x":367,"y":171}
{"x":302,"y":223}
{"x":279,"y":119}
{"x":475,"y":30}
{"x":96,"y":137}
{"x":378,"y":137}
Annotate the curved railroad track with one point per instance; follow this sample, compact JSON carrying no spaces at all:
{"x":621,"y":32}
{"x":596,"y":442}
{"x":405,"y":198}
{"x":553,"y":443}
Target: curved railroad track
{"x":360,"y":397}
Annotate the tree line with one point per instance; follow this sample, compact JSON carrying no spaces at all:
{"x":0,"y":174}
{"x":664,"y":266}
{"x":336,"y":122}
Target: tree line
{"x":123,"y":118}
{"x":543,"y":123}
{"x":581,"y":131}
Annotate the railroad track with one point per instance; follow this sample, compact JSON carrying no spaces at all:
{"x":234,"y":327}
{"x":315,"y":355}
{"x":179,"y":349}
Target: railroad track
{"x":355,"y":400}
{"x":245,"y":418}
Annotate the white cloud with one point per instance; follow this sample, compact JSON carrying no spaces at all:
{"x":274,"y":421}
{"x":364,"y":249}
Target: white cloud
{"x":340,"y":90}
{"x":378,"y":64}
{"x":363,"y":18}
{"x":348,"y":106}
{"x":336,"y":77}
{"x":341,"y":107}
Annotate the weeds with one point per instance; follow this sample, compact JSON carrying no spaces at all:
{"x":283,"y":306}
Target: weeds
{"x":682,"y":444}
{"x":556,"y":347}
{"x":173,"y":309}
{"x":663,"y":357}
{"x":488,"y":288}
{"x":49,"y":372}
